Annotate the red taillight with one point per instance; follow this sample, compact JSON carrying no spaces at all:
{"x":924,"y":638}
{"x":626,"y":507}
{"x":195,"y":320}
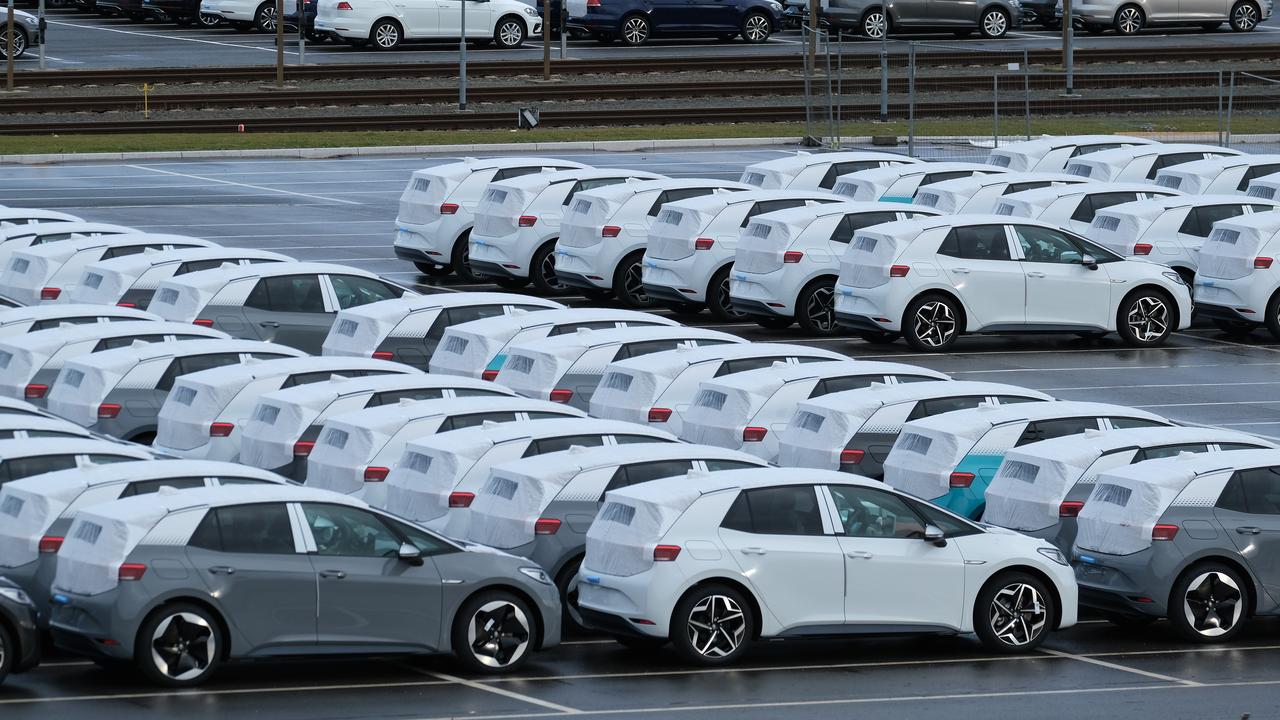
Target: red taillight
{"x":448,"y":208}
{"x":35,"y":390}
{"x":1142,"y":249}
{"x":382,"y":355}
{"x":703,"y":243}
{"x":489,"y":375}
{"x":50,"y":543}
{"x":546,"y":526}
{"x":1070,"y":508}
{"x":303,"y":448}
{"x":50,"y":293}
{"x":754,"y":434}
{"x":1262,"y":263}
{"x":126,"y":305}
{"x":961,"y":479}
{"x":561,"y":396}
{"x":461,"y":499}
{"x":593,"y":3}
{"x":108,"y":410}
{"x":610,"y":231}
{"x":792,"y":256}
{"x":1164,"y":532}
{"x":528,"y":220}
{"x":899,"y":270}
{"x":131,"y":571}
{"x":345,"y":6}
{"x":373,"y":473}
{"x":221,"y":429}
{"x":666,"y":553}
{"x":851,"y":457}
{"x":659,"y":414}
{"x":202,"y":322}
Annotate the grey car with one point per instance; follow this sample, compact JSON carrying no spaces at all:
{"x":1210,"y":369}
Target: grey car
{"x":19,"y":637}
{"x":178,"y":583}
{"x":1131,"y":16}
{"x":1193,"y":538}
{"x":541,"y":507}
{"x":992,"y":18}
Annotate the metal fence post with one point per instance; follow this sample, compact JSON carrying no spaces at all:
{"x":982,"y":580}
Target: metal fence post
{"x":995,"y":109}
{"x":808,"y":94}
{"x":884,"y":70}
{"x":1026,"y":95}
{"x":1231,"y":101}
{"x":1220,"y":135}
{"x":832,"y":130}
{"x":911,"y":100}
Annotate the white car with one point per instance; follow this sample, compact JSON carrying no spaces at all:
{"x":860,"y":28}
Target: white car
{"x":206,"y":411}
{"x":1265,"y":188}
{"x":714,"y":562}
{"x":748,"y":410}
{"x":1051,"y":154}
{"x":658,"y":388}
{"x":691,"y":245}
{"x":1074,"y":206}
{"x":23,"y":320}
{"x":518,"y":222}
{"x":26,"y":30}
{"x":1238,"y":282}
{"x":42,"y":273}
{"x":437,"y":209}
{"x":854,"y":430}
{"x":980,"y":194}
{"x":1140,"y":163}
{"x":809,"y":171}
{"x":10,"y":217}
{"x":933,"y":280}
{"x":21,"y":237}
{"x":567,"y":368}
{"x":1169,"y":230}
{"x":787,"y":262}
{"x":478,"y":348}
{"x":383,"y":24}
{"x":604,"y":234}
{"x":244,"y":14}
{"x":130,"y":281}
{"x":1219,"y":175}
{"x":900,"y":183}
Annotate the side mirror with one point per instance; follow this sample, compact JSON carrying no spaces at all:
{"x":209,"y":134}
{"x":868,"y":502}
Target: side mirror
{"x":412,"y":555}
{"x":1090,"y":262}
{"x":933,"y":534}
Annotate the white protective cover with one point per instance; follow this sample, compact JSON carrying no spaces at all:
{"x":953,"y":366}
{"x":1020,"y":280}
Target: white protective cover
{"x":679,"y":223}
{"x":1196,"y":177}
{"x":778,"y":174}
{"x":183,"y":297}
{"x":591,"y":209}
{"x":62,"y":262}
{"x":118,"y":275}
{"x":1229,"y":250}
{"x":420,"y":202}
{"x":953,"y":196}
{"x":506,"y":508}
{"x":767,"y":236}
{"x":866,"y":261}
{"x":871,"y":185}
{"x":1119,"y":227}
{"x":17,"y":321}
{"x":1265,"y":188}
{"x":17,"y":217}
{"x":1024,"y":156}
{"x":503,"y":201}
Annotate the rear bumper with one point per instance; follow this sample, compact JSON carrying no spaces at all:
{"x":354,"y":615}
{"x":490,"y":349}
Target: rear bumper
{"x":665,"y":293}
{"x":573,"y":279}
{"x":857,"y":322}
{"x":491,"y":269}
{"x":755,"y":307}
{"x":1222,"y":312}
{"x":610,"y":624}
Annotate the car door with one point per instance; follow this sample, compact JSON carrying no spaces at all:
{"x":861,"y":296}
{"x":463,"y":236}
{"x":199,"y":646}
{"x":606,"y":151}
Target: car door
{"x":448,"y":18}
{"x":910,"y":12}
{"x":979,"y":264}
{"x":421,"y":18}
{"x":355,"y":290}
{"x":1249,"y":510}
{"x":368,"y":595}
{"x":248,"y":558}
{"x":953,"y":12}
{"x":779,"y":540}
{"x":1060,"y":290}
{"x":290,"y":310}
{"x":882,"y":540}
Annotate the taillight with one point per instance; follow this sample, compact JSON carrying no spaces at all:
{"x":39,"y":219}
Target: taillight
{"x":703,"y":243}
{"x":666,"y":553}
{"x":50,"y":543}
{"x":546,"y":526}
{"x":382,"y":355}
{"x":345,"y":6}
{"x":108,"y":410}
{"x":202,"y":322}
{"x":792,"y":256}
{"x":1164,"y":532}
{"x":221,"y":429}
{"x":131,"y":571}
{"x":899,"y":270}
{"x":754,"y":434}
{"x":126,"y":305}
{"x":1142,"y":249}
{"x":851,"y":457}
{"x":528,"y":220}
{"x":303,"y":448}
{"x":561,"y":396}
{"x":461,"y":499}
{"x":448,"y":208}
{"x":35,"y":390}
{"x":1262,"y":263}
{"x":1070,"y":508}
{"x":489,"y":375}
{"x":610,"y":231}
{"x":373,"y":473}
{"x":50,"y":293}
{"x":961,"y":479}
{"x":593,"y":3}
{"x":658,"y":414}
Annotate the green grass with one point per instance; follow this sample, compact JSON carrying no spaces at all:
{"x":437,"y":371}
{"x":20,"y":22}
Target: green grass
{"x":42,"y":144}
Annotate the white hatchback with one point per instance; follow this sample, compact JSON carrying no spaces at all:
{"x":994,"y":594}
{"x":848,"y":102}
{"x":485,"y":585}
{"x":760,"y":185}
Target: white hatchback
{"x":1238,"y":282}
{"x":23,"y":320}
{"x":130,"y":281}
{"x":1140,"y":163}
{"x":980,"y":193}
{"x":810,"y":171}
{"x":1074,"y":206}
{"x":1265,"y":188}
{"x":1051,"y":154}
{"x":900,"y":183}
{"x":383,"y":24}
{"x":21,"y":237}
{"x":11,"y":217}
{"x":1218,"y":175}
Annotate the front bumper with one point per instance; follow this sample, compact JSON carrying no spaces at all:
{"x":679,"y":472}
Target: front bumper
{"x":35,"y":578}
{"x":22,"y":620}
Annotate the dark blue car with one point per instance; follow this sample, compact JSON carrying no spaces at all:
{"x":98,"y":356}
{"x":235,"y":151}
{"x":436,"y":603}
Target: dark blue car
{"x":635,"y":21}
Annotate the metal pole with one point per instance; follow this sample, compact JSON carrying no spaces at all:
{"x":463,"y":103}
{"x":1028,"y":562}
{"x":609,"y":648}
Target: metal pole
{"x":462,"y":60}
{"x":1026,"y":94}
{"x":8,"y":51}
{"x":41,"y":26}
{"x":1068,"y":47}
{"x":813,"y":30}
{"x":546,"y":40}
{"x":884,"y":69}
{"x":911,"y":100}
{"x":1220,"y":137}
{"x":302,"y":35}
{"x":995,"y":109}
{"x":279,"y":43}
{"x":1231,"y":102}
{"x":564,"y":33}
{"x":831,"y":116}
{"x":808,"y":91}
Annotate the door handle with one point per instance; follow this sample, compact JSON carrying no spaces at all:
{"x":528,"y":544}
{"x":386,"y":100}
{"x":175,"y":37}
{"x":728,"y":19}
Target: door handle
{"x":222,"y":570}
{"x":754,"y":551}
{"x":1035,"y":274}
{"x":269,"y":324}
{"x":858,"y":554}
{"x":1249,"y":530}
{"x":333,"y":574}
{"x":960,"y":271}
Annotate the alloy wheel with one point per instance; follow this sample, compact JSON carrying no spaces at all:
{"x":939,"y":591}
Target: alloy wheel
{"x":499,"y":634}
{"x":207,"y":20}
{"x":821,"y":309}
{"x":995,"y":24}
{"x":633,"y":285}
{"x":548,"y":270}
{"x":1245,"y":17}
{"x":386,"y":36}
{"x":635,"y":30}
{"x":717,"y":626}
{"x":935,"y":324}
{"x":510,"y":34}
{"x":17,"y":46}
{"x":1213,"y":604}
{"x":267,"y":18}
{"x":1129,"y":21}
{"x":873,"y":26}
{"x":725,"y":301}
{"x":1148,"y":319}
{"x":756,"y":28}
{"x":1018,"y":614}
{"x":183,"y":646}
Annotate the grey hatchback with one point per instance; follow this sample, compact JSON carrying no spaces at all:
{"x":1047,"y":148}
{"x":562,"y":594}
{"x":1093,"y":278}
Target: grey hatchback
{"x":179,"y":582}
{"x":992,"y":18}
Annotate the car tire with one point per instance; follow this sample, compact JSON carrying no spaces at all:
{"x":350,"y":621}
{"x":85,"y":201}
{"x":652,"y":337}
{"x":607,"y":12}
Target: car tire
{"x":206,"y":20}
{"x":880,"y":338}
{"x":542,"y":270}
{"x":509,"y":33}
{"x":816,"y":308}
{"x":756,"y":28}
{"x":628,"y":282}
{"x":18,"y":45}
{"x":1013,"y":613}
{"x":718,"y":301}
{"x":494,"y":632}
{"x":386,"y":34}
{"x":1129,"y":20}
{"x":432,"y":269}
{"x":460,"y":259}
{"x":1236,"y":329}
{"x":1244,"y":16}
{"x":994,"y":23}
{"x":932,"y":323}
{"x":264,"y":18}
{"x":1146,"y":318}
{"x":1273,"y":316}
{"x":1209,"y":603}
{"x":635,"y":30}
{"x":712,"y":625}
{"x":8,"y":651}
{"x":178,"y":636}
{"x":774,"y":322}
{"x":873,"y":24}
{"x":567,"y":584}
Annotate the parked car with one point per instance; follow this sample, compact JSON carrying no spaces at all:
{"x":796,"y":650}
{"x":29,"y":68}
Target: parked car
{"x":933,"y":280}
{"x":205,"y":413}
{"x":437,"y":209}
{"x":19,"y":636}
{"x":24,"y":427}
{"x":1051,"y":154}
{"x":131,"y":280}
{"x":817,"y":171}
{"x":383,"y":25}
{"x":634,"y":22}
{"x":646,"y":581}
{"x":993,"y":18}
{"x":186,"y":12}
{"x":1128,"y":17}
{"x":1041,"y":488}
{"x":326,"y":555}
{"x":24,"y":458}
{"x":1185,"y":538}
{"x":1237,"y":278}
{"x":900,"y":183}
{"x":244,"y":14}
{"x":854,"y":430}
{"x":477,"y":348}
{"x":409,"y":329}
{"x":1265,"y":188}
{"x":1141,"y":162}
{"x":1219,"y":175}
{"x":1074,"y":207}
{"x":21,"y":237}
{"x":21,"y":319}
{"x":11,"y":217}
{"x":949,"y":459}
{"x":26,"y":28}
{"x":22,"y":408}
{"x":979,"y":194}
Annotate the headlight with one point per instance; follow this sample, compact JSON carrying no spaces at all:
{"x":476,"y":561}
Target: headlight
{"x":16,"y":595}
{"x":775,"y":5}
{"x":530,"y":11}
{"x":1053,"y":554}
{"x":537,"y":574}
{"x":1015,"y":4}
{"x":1175,"y":277}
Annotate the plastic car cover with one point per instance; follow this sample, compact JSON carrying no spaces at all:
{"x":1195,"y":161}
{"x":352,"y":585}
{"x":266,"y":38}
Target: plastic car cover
{"x":778,"y":173}
{"x":31,"y":267}
{"x":22,"y":356}
{"x":1119,"y":227}
{"x":629,"y":387}
{"x":866,"y":262}
{"x":634,"y":519}
{"x":99,"y":540}
{"x":1028,"y":203}
{"x":106,"y":281}
{"x":1229,"y":250}
{"x":762,"y":243}
{"x":19,"y":320}
{"x":722,"y":407}
{"x":532,"y":369}
{"x":479,"y":344}
{"x":821,"y":427}
{"x":28,"y":507}
{"x":419,"y":485}
{"x":590,"y":210}
{"x":502,"y":203}
{"x":196,"y":400}
{"x":1265,"y":188}
{"x":871,"y":185}
{"x":420,"y":201}
{"x":1124,"y":506}
{"x":182,"y":298}
{"x":358,"y":331}
{"x":505,"y":510}
{"x":348,"y":442}
{"x":85,"y":382}
{"x":927,"y":450}
{"x":680,"y":223}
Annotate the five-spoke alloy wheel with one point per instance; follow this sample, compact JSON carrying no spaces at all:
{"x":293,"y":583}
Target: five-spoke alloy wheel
{"x":1146,"y":319}
{"x":712,"y":625}
{"x":179,"y":645}
{"x":932,"y":323}
{"x":494,"y":632}
{"x":1208,"y":603}
{"x":1013,"y":613}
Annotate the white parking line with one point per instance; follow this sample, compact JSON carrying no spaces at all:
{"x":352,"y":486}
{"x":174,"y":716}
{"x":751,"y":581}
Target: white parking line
{"x":243,"y":185}
{"x":1124,"y":668}
{"x":168,"y":37}
{"x":1168,"y":385}
{"x":1202,"y":404}
{"x":562,"y":709}
{"x":235,"y":691}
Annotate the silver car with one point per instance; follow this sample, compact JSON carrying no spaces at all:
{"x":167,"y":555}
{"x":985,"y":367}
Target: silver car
{"x":992,"y":18}
{"x":1130,"y":16}
{"x":181,"y":582}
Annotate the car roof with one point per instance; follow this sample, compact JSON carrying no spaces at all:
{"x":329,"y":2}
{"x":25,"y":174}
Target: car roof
{"x":698,"y":483}
{"x":152,"y":258}
{"x":802,"y":159}
{"x":126,"y":357}
{"x":493,"y":433}
{"x":56,"y":228}
{"x":584,"y":339}
{"x":57,"y":310}
{"x":376,"y":419}
{"x":330,"y":390}
{"x":32,"y":447}
{"x":147,"y":509}
{"x":216,"y":278}
{"x":623,"y":190}
{"x":815,"y":211}
{"x":1263,"y":223}
{"x":579,"y":459}
{"x":1169,"y":202}
{"x":1098,"y":442}
{"x":502,"y":162}
{"x":983,"y":180}
{"x":255,"y":368}
{"x":401,"y":307}
{"x":992,"y":415}
{"x":1134,"y":151}
{"x":12,"y":421}
{"x":95,"y":474}
{"x":1189,"y":465}
{"x":880,"y":394}
{"x":57,"y":337}
{"x":1218,"y":164}
{"x":520,"y":319}
{"x":772,"y":377}
{"x":671,"y":362}
{"x":1059,"y":141}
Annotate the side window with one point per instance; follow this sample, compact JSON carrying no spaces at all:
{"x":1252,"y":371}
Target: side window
{"x":110,"y":459}
{"x":1256,"y":171}
{"x":49,"y":434}
{"x":427,"y":543}
{"x":455,"y":315}
{"x":1199,"y":222}
{"x":844,"y":168}
{"x":307,"y":378}
{"x":643,"y":472}
{"x":1012,"y":188}
{"x":1167,"y":451}
{"x":1048,"y":429}
{"x":943,"y":520}
{"x":1255,"y":491}
{"x":937,"y":406}
{"x":126,"y":250}
{"x":854,"y":222}
{"x":119,"y":342}
{"x":1087,"y":149}
{"x":207,"y":535}
{"x":261,"y":529}
{"x":56,"y":322}
{"x":197,"y":265}
{"x":739,"y":515}
{"x":677,"y":194}
{"x":1084,"y":211}
{"x":1164,"y":161}
{"x":1226,"y":447}
{"x":1015,"y":399}
{"x":938,"y":177}
{"x":571,"y":328}
{"x":479,"y":392}
{"x":541,"y":415}
{"x":636,"y":349}
{"x":457,"y":422}
{"x":849,"y":382}
{"x":194,"y":363}
{"x":146,"y":487}
{"x":349,"y":532}
{"x":1042,"y":245}
{"x":581,"y":185}
{"x":353,"y":290}
{"x":288,"y":293}
{"x":1124,"y":423}
{"x":728,"y":367}
{"x":718,"y":465}
{"x":976,"y":242}
{"x":550,"y":445}
{"x":22,"y":467}
{"x":868,"y":512}
{"x":391,"y":397}
{"x":791,"y":510}
{"x":768,"y":206}
{"x":243,"y":481}
{"x":513,"y":172}
{"x":8,"y":434}
{"x":636,"y":439}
